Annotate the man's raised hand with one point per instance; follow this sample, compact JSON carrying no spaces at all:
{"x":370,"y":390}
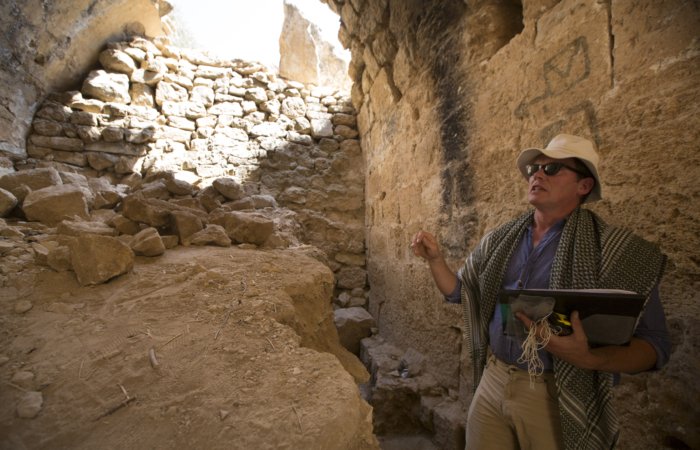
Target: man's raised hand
{"x":425,"y":246}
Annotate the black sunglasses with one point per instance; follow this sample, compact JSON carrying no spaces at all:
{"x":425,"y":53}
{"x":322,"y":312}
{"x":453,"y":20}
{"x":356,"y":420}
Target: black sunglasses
{"x":549,"y":169}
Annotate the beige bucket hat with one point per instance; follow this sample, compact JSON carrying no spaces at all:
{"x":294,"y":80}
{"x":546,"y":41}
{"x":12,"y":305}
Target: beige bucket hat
{"x":567,"y":146}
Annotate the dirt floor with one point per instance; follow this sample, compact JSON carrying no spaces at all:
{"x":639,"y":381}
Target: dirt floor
{"x":236,"y":334}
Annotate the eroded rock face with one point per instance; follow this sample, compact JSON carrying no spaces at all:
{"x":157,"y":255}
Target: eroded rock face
{"x":96,"y":259}
{"x":305,"y":55}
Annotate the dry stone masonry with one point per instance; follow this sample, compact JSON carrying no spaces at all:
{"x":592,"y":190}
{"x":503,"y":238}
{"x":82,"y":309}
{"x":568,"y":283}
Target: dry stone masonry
{"x":192,"y":149}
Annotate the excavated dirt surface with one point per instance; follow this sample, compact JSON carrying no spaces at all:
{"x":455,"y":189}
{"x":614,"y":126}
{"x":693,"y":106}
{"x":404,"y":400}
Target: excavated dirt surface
{"x":278,"y":392}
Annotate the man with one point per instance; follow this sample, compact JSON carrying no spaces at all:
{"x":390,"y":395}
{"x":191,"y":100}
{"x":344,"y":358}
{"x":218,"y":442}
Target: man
{"x":558,"y":245}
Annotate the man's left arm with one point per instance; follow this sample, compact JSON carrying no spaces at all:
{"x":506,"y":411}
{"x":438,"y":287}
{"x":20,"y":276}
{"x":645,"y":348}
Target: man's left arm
{"x":649,"y":348}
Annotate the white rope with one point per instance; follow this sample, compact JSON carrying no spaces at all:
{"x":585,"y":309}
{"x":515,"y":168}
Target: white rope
{"x":532,"y":345}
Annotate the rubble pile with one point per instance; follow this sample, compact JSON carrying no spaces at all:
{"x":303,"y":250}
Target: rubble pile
{"x":197,"y":148}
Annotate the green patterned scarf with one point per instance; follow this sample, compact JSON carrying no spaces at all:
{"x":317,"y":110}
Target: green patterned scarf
{"x":590,"y":255}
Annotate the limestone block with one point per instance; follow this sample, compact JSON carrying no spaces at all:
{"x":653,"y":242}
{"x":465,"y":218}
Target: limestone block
{"x":47,"y":127}
{"x":100,"y":161}
{"x":328,"y":145}
{"x":191,"y":203}
{"x":344,"y":119}
{"x":268,"y":129}
{"x":89,"y":105}
{"x":129,"y":164}
{"x":54,"y":204}
{"x":117,"y":61}
{"x":89,"y":134}
{"x":271,"y":106}
{"x":203,"y":95}
{"x":345,"y":131}
{"x":248,"y":228}
{"x":96,"y":259}
{"x":212,"y":72}
{"x":146,"y":77}
{"x":350,"y":259}
{"x":108,"y":87}
{"x":141,"y":95}
{"x":154,"y":212}
{"x":294,"y":195}
{"x":191,"y":110}
{"x":384,"y":47}
{"x":241,"y":205}
{"x":145,"y":45}
{"x":147,"y":243}
{"x":321,"y":128}
{"x":84,"y":118}
{"x":263,"y":201}
{"x":30,"y":405}
{"x":201,"y":57}
{"x":169,"y":241}
{"x":124,"y":225}
{"x":211,"y":235}
{"x":54,"y":111}
{"x":175,"y":134}
{"x":226,"y":108}
{"x":59,"y":259}
{"x":229,"y":188}
{"x":117,"y":148}
{"x":351,"y":147}
{"x":256,"y":95}
{"x":351,"y":278}
{"x":7,"y":202}
{"x":302,"y":125}
{"x":41,"y":254}
{"x":57,"y":142}
{"x":181,"y":123}
{"x":73,"y":178}
{"x":170,"y":92}
{"x":184,"y":224}
{"x":73,"y":228}
{"x":303,"y":139}
{"x":353,"y":325}
{"x":179,"y":187}
{"x":293,"y":107}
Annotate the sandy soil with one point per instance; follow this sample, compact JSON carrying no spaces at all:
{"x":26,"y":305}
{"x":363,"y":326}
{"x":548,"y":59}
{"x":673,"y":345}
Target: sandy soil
{"x":263,"y":368}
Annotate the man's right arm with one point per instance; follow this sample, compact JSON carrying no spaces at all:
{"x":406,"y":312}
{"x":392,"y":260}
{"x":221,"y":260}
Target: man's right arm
{"x":425,"y":246}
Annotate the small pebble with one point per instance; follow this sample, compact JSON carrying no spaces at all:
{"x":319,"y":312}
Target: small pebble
{"x":223,"y":414}
{"x":249,"y":374}
{"x":30,"y":405}
{"x":23,"y":306}
{"x":296,"y":371}
{"x":65,"y":295}
{"x":23,"y":379}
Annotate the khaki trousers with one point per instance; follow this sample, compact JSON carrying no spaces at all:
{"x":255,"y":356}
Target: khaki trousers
{"x":507,"y":414}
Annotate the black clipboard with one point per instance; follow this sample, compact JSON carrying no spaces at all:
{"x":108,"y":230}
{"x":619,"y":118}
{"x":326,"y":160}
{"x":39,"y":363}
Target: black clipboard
{"x":609,"y":317}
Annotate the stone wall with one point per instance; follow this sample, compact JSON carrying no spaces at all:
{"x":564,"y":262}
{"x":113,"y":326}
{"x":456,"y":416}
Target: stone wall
{"x":448,"y":94}
{"x":49,"y":46}
{"x":153,"y":107}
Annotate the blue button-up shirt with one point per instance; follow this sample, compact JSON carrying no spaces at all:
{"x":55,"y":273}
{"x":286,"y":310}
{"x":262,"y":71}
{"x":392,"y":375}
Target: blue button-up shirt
{"x":533,"y":267}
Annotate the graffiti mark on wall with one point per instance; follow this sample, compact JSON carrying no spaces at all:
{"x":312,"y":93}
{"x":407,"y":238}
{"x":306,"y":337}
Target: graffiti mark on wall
{"x":583,"y":111}
{"x":561,"y":73}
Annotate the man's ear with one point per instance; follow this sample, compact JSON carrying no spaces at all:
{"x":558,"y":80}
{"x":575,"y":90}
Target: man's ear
{"x":585,"y":186}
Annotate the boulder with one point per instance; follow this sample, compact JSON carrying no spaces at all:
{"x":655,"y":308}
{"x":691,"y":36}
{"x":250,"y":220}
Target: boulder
{"x":73,"y":178}
{"x":59,"y":259}
{"x":117,"y":61}
{"x":58,"y":142}
{"x":191,"y":203}
{"x":351,"y":278}
{"x":108,"y":87}
{"x":170,"y":241}
{"x":209,"y":203}
{"x":179,"y":187}
{"x":246,"y":228}
{"x":7,"y":202}
{"x":184,"y":224}
{"x":124,"y":225}
{"x":100,"y":161}
{"x":229,"y":188}
{"x":240,"y":205}
{"x":350,"y":259}
{"x":155,"y":213}
{"x":34,"y":179}
{"x":54,"y":204}
{"x":147,"y":243}
{"x":72,"y":228}
{"x":353,"y":325}
{"x":96,"y":259}
{"x":141,"y":95}
{"x":211,"y":235}
{"x":41,"y":254}
{"x":263,"y":201}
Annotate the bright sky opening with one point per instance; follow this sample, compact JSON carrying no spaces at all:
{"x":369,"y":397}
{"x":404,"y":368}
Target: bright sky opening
{"x":248,"y":29}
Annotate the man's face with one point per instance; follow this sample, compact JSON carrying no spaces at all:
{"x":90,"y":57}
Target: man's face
{"x":556,"y":192}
